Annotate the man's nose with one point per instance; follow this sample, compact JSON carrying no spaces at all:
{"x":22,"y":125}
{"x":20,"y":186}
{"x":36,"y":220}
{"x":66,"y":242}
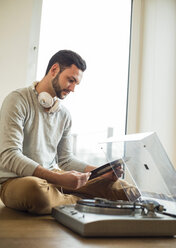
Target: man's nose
{"x":72,"y":87}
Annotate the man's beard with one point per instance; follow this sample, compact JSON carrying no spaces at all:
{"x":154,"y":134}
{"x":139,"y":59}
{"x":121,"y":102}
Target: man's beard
{"x":56,"y":86}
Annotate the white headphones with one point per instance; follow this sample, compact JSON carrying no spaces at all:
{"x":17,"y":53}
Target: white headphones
{"x":46,"y":100}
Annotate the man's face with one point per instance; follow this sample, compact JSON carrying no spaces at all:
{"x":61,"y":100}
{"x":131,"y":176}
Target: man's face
{"x":65,"y":81}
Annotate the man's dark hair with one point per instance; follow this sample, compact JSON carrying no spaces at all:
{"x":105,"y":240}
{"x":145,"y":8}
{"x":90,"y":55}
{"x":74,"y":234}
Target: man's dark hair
{"x":66,"y":58}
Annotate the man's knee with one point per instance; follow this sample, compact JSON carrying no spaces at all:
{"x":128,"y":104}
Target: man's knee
{"x":28,"y":194}
{"x":36,"y":195}
{"x":125,"y":191}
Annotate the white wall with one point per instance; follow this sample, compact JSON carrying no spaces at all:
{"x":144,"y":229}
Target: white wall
{"x":152,"y":95}
{"x":19,"y":32}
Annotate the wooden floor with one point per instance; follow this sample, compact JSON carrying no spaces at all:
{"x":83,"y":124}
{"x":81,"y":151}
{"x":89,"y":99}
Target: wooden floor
{"x":22,"y":230}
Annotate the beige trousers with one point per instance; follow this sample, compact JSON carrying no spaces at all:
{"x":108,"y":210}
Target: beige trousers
{"x":37,"y":196}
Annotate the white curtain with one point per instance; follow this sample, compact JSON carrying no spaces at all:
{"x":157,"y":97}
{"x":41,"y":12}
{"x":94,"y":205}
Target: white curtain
{"x":152,"y":88}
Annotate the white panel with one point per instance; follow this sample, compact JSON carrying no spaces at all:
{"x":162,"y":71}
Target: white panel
{"x":19,"y":31}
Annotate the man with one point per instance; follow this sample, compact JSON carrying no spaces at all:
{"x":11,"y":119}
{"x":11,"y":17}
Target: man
{"x":37,"y":168}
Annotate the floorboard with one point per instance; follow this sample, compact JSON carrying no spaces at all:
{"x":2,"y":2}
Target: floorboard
{"x":22,"y":230}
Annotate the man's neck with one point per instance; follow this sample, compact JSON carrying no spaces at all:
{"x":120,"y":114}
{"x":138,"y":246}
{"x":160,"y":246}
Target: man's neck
{"x":45,"y":85}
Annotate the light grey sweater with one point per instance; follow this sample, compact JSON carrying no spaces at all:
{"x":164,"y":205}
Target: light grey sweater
{"x":29,"y":136}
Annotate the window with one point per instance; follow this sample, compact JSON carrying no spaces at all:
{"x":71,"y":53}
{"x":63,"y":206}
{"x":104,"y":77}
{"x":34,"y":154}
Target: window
{"x":99,"y":30}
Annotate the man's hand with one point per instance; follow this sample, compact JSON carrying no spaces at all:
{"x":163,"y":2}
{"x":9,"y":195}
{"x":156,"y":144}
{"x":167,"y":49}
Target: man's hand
{"x":73,"y":179}
{"x":112,"y":175}
{"x":68,"y":179}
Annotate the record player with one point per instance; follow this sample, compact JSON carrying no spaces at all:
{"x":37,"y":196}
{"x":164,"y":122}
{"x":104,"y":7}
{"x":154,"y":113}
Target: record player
{"x":151,"y":213}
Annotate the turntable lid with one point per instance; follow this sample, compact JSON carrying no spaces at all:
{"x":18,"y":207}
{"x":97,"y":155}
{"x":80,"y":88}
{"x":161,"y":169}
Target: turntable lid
{"x":147,"y":165}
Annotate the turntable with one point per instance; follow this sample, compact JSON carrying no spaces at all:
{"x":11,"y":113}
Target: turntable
{"x":151,"y":213}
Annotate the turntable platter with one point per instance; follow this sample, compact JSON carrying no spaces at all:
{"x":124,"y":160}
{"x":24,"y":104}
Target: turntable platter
{"x":102,"y":206}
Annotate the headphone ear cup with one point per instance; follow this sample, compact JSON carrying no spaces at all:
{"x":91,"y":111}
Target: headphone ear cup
{"x":55,"y":107}
{"x":45,"y":99}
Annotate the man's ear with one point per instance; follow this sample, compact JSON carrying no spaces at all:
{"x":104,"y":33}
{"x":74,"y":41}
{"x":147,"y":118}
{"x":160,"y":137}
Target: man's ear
{"x":54,"y":69}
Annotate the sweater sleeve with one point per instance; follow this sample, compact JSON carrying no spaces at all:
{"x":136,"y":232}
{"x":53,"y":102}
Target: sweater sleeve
{"x":66,"y":159}
{"x":13,"y":114}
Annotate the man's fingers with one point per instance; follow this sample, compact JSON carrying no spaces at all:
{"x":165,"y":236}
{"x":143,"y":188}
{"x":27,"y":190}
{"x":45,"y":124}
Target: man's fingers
{"x":82,"y":179}
{"x":73,"y":179}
